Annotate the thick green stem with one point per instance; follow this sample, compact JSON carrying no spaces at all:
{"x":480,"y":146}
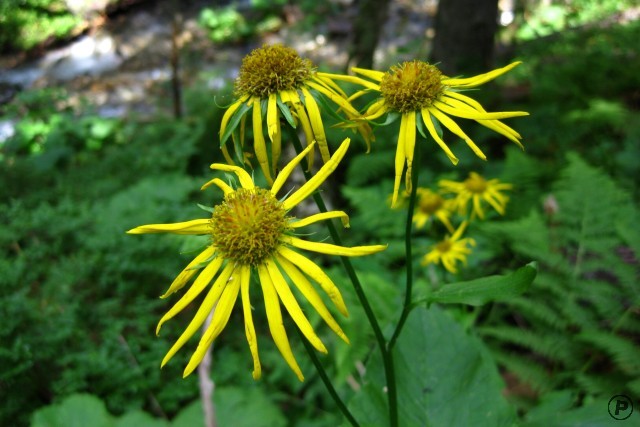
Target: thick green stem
{"x":371,"y":317}
{"x":406,"y":309}
{"x":327,"y":381}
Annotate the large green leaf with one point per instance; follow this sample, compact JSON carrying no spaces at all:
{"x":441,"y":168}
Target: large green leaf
{"x":444,"y":376}
{"x":492,"y":288}
{"x":78,"y":410}
{"x":235,"y":406}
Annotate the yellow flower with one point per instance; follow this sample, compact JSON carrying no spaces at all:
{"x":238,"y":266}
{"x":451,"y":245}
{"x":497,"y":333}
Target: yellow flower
{"x":477,"y":189}
{"x":430,"y":204}
{"x":276,"y":81}
{"x":421,"y":94}
{"x":252,"y":233}
{"x":450,"y":250}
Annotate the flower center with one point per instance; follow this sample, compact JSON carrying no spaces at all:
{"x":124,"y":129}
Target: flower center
{"x":475,"y":183}
{"x":430,"y":202}
{"x":246,"y":227}
{"x":271,"y":69}
{"x":411,"y":86}
{"x":443,"y":246}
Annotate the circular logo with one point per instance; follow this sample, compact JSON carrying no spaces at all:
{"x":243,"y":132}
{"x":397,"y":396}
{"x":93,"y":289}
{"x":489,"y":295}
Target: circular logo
{"x":620,"y":407}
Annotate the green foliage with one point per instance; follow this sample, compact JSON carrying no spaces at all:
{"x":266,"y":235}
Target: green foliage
{"x":480,"y":291}
{"x":546,"y":18}
{"x":445,"y":377}
{"x":26,"y":23}
{"x":231,"y":24}
{"x":576,"y":328}
{"x":230,"y":403}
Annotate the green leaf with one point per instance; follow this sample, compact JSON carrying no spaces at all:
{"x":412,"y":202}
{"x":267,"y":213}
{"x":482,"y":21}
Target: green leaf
{"x":492,"y":288}
{"x":286,"y":112}
{"x":444,"y":377}
{"x":77,"y":410}
{"x":556,"y":410}
{"x":235,"y":406}
{"x":233,"y":122}
{"x":139,"y":419}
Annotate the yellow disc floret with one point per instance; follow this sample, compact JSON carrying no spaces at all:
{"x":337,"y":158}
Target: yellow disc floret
{"x":272,"y":69}
{"x":476,"y":183}
{"x":411,"y":86}
{"x":430,"y":202}
{"x":248,"y":225}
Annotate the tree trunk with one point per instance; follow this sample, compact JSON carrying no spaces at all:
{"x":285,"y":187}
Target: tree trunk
{"x":465,"y":31}
{"x":367,"y":27}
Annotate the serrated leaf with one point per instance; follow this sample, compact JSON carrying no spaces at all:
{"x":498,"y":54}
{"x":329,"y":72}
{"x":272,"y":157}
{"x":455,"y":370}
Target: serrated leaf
{"x":492,"y":288}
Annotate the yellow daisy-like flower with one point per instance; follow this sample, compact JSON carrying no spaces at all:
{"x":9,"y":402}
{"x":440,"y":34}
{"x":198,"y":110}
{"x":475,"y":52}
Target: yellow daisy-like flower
{"x":421,"y":94}
{"x":276,"y":81}
{"x":476,"y":189}
{"x":431,"y":204}
{"x":252,"y":233}
{"x":451,"y":250}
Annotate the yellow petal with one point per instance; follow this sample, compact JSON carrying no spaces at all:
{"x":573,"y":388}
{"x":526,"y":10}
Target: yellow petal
{"x":410,"y":143}
{"x":304,"y":121}
{"x":321,"y":217}
{"x":329,"y":249}
{"x":273,"y":125}
{"x":249,"y":329}
{"x":399,"y":160}
{"x":274,"y":318}
{"x":205,"y":308}
{"x":286,"y":171}
{"x":227,"y":157}
{"x":372,"y":74}
{"x":220,"y":183}
{"x":243,"y":176}
{"x":292,"y":306}
{"x":258,"y":140}
{"x":316,"y":123}
{"x":426,"y":118}
{"x":322,"y":174}
{"x":189,"y":271}
{"x":502,"y":129}
{"x":219,"y":320}
{"x":232,"y":109}
{"x":335,"y":98}
{"x":196,"y":288}
{"x":468,"y":113}
{"x":480,"y":79}
{"x":309,"y":268}
{"x":355,"y":80}
{"x":330,"y":84}
{"x":453,"y":127}
{"x":309,"y":292}
{"x":195,"y":226}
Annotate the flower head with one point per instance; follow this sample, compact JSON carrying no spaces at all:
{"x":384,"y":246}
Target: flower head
{"x":429,"y":205}
{"x":477,"y":190}
{"x":421,"y":94}
{"x":253,"y":233}
{"x":450,"y":250}
{"x":274,"y":81}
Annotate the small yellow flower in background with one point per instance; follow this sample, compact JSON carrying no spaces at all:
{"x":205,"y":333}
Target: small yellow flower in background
{"x":451,"y":250}
{"x":251,"y":232}
{"x":423,"y":95}
{"x":430,"y":204}
{"x":476,"y":189}
{"x":276,"y":81}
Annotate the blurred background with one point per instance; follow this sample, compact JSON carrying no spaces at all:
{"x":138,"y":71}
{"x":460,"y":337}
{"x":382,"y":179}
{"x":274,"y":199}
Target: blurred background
{"x":109,"y":118}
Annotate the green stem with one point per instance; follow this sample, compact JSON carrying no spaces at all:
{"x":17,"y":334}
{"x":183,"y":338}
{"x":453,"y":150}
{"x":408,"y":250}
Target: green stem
{"x":371,"y":317}
{"x":406,"y":309}
{"x":327,"y":382}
